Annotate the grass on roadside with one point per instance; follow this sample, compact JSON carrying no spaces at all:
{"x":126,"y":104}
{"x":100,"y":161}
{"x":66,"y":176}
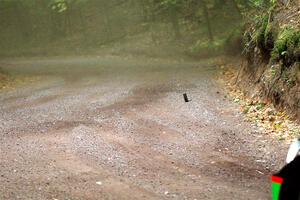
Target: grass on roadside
{"x":9,"y":82}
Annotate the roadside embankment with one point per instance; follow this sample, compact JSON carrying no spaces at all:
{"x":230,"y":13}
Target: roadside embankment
{"x":266,"y":81}
{"x":272,"y":56}
{"x":257,"y":109}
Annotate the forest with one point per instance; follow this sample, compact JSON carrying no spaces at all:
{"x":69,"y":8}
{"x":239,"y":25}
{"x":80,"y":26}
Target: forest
{"x":37,"y":26}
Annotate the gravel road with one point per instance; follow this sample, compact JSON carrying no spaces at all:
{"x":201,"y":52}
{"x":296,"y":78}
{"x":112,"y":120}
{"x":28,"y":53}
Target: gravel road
{"x":118,"y":128}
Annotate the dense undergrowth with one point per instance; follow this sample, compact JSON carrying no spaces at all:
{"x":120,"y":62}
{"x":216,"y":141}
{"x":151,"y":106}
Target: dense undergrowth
{"x":272,"y":51}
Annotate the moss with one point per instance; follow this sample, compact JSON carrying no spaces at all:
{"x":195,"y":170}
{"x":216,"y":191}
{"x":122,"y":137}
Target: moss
{"x":265,"y":35}
{"x":259,"y":35}
{"x":287,"y":42}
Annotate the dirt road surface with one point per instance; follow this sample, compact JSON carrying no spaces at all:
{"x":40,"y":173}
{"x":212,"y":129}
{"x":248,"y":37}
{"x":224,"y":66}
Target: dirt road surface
{"x":117,"y":128}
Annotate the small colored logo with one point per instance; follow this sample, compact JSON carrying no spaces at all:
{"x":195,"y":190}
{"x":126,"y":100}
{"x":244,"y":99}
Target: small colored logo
{"x":276,"y":186}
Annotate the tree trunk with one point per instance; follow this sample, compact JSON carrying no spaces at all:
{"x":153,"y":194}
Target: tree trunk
{"x":208,"y":24}
{"x":175,"y":24}
{"x":23,"y":24}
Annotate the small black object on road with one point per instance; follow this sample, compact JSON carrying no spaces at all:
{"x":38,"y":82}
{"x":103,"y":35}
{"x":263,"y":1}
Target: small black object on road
{"x":186,"y":99}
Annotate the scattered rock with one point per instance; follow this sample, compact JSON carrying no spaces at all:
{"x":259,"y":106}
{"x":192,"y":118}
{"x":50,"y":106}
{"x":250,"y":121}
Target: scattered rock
{"x":99,"y":183}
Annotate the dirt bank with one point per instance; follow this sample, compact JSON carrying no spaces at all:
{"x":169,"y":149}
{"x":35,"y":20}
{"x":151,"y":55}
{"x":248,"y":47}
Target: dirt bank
{"x":272,"y":56}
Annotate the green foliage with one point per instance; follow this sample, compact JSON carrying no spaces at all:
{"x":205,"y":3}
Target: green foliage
{"x":289,"y":78}
{"x":262,"y":3}
{"x":273,"y":71}
{"x":171,"y":3}
{"x":62,"y":5}
{"x":59,"y":5}
{"x":288,"y":40}
{"x":257,"y":3}
{"x":260,"y":106}
{"x":264,"y":34}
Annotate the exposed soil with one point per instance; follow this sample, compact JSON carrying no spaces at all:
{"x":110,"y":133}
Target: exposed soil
{"x":118,"y":128}
{"x":272,"y":55}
